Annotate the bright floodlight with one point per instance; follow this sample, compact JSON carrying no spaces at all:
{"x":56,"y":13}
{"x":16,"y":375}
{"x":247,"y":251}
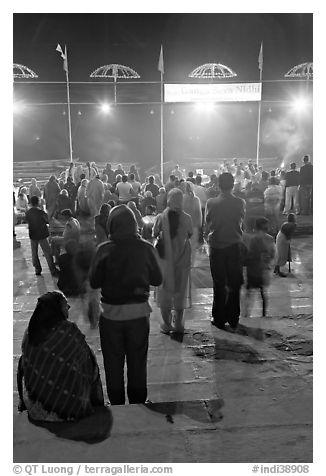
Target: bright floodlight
{"x":18,"y":107}
{"x":106,"y":108}
{"x":205,"y":106}
{"x":300,"y":104}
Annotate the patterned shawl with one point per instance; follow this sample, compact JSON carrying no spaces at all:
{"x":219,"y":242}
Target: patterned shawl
{"x":60,"y":372}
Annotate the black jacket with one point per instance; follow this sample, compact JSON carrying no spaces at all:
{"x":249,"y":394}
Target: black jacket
{"x":292,"y":178}
{"x":37,"y":221}
{"x":124,"y":270}
{"x":306,"y":174}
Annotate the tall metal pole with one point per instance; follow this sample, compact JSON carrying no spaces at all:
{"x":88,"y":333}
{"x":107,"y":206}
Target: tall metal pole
{"x":68,"y":101}
{"x":307,"y":83}
{"x":258,"y":128}
{"x":115,"y":90}
{"x":260,"y":63}
{"x":162,"y":154}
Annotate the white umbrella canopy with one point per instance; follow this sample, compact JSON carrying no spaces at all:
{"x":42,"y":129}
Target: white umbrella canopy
{"x":115,"y":71}
{"x":212,"y":70}
{"x":22,"y":72}
{"x":303,"y":70}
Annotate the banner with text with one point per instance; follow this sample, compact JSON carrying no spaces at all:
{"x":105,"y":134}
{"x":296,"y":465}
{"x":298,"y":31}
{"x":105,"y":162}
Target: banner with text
{"x":235,"y":92}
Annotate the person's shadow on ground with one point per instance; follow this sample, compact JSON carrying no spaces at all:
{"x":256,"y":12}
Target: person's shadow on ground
{"x":204,"y":411}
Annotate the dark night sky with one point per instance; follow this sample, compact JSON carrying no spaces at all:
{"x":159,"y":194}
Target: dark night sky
{"x":189,"y":40}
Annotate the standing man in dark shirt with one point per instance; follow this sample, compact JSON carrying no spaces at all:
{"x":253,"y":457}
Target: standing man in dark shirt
{"x":305,"y":188}
{"x":151,"y":186}
{"x":292,"y":180}
{"x":224,"y":216}
{"x":38,"y":221}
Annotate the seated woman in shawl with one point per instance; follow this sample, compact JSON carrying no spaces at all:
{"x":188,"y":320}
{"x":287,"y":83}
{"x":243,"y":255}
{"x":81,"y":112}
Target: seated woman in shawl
{"x":58,"y":377}
{"x":283,"y":244}
{"x":174,"y":226}
{"x":101,"y":223}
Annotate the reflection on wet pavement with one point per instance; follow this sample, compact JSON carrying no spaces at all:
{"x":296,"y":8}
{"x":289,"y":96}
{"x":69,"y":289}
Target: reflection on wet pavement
{"x":290,"y":304}
{"x":297,"y":346}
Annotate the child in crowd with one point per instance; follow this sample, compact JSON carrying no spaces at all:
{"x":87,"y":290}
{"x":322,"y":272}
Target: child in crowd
{"x":261,"y":252}
{"x":283,"y":244}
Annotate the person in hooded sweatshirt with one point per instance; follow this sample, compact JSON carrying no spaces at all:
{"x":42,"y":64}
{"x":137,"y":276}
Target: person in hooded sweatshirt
{"x":125,"y":267}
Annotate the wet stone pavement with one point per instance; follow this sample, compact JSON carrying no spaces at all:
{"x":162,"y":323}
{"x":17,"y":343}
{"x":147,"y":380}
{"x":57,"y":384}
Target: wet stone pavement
{"x":218,"y":396}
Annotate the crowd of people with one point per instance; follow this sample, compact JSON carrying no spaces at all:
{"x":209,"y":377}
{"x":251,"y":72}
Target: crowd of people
{"x":146,"y":234}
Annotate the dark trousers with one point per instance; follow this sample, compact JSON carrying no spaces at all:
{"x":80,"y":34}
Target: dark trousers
{"x":44,"y":244}
{"x":305,"y":197}
{"x":226,"y":269}
{"x":120,"y":341}
{"x":201,"y":229}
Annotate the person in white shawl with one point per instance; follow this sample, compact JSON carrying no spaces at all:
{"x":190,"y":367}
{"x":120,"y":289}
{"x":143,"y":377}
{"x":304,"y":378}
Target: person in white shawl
{"x":175,"y":228}
{"x":191,"y":205}
{"x":95,"y":193}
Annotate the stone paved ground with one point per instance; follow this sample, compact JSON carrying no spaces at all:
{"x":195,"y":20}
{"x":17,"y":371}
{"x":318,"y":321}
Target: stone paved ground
{"x":218,"y":396}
